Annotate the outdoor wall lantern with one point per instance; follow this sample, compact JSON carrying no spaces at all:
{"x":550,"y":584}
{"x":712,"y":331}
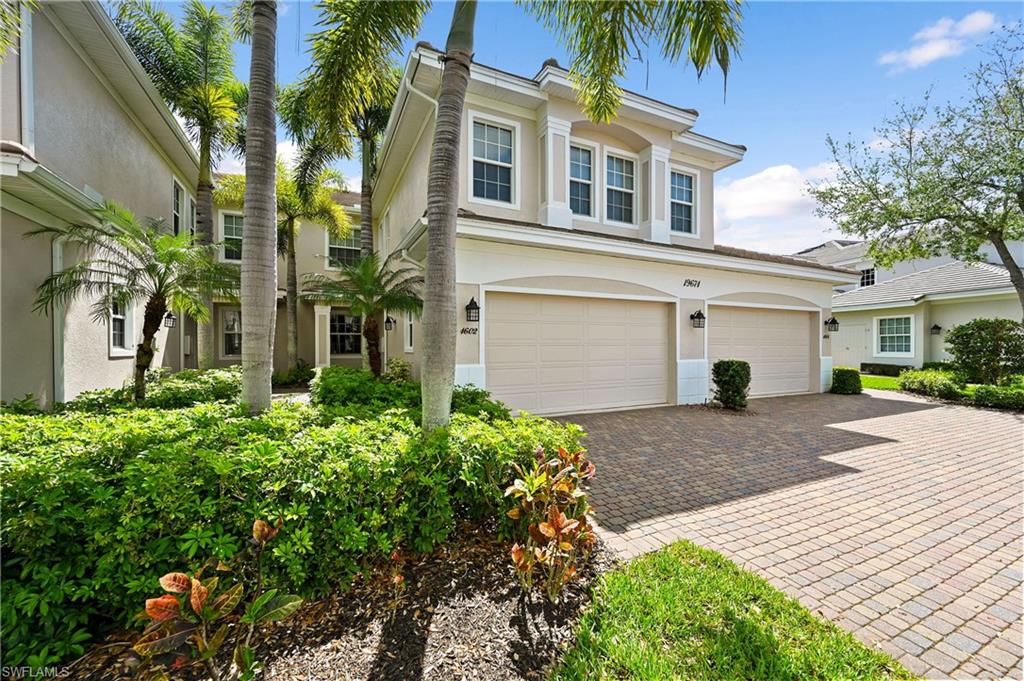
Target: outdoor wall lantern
{"x":697,"y":319}
{"x":832,"y":324}
{"x":936,"y":329}
{"x":170,"y":320}
{"x":389,"y":324}
{"x":472,"y":311}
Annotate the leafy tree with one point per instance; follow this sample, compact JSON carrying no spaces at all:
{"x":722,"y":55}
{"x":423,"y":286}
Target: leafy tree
{"x":295,"y":204}
{"x":369,"y":288}
{"x":988,"y":350}
{"x":941,"y":179}
{"x":259,"y":238}
{"x":126,"y":263}
{"x":192,"y":68}
{"x":602,"y":36}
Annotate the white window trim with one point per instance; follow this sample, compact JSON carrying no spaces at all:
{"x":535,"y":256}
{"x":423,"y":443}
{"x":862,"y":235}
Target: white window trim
{"x":517,"y":159}
{"x":220,"y":233}
{"x":877,"y":340}
{"x":362,"y":339}
{"x":181,"y":213}
{"x":222,"y":319}
{"x":191,"y":215}
{"x":596,"y":179}
{"x":629,"y":156}
{"x":129,"y":334}
{"x":407,"y":331}
{"x":327,"y":250}
{"x":695,"y":174}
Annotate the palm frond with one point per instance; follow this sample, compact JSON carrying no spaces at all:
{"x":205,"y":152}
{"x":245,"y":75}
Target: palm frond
{"x":158,"y":45}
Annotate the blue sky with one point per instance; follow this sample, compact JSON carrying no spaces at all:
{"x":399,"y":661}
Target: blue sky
{"x":805,"y":70}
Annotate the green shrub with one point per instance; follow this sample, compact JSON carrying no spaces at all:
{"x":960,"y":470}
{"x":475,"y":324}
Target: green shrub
{"x":944,"y":384}
{"x":877,"y":369}
{"x":95,"y":507}
{"x":1000,"y":397}
{"x":732,"y":380}
{"x":987,"y":350}
{"x":398,"y":370}
{"x":166,"y":391}
{"x":846,"y":381}
{"x":300,"y":375}
{"x":940,"y":366}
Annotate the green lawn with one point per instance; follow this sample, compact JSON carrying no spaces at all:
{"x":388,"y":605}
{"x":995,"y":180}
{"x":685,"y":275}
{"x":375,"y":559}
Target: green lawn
{"x":880,"y":382}
{"x":688,"y":613}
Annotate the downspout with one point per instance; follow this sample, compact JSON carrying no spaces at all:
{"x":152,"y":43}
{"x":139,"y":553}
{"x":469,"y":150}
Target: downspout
{"x":415,"y":90}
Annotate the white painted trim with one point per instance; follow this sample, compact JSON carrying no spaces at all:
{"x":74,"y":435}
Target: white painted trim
{"x":876,"y":341}
{"x":769,"y":306}
{"x":826,"y":373}
{"x":693,"y":385}
{"x":340,"y":309}
{"x":682,"y":169}
{"x":470,"y":374}
{"x":607,"y":151}
{"x":1009,"y":290}
{"x":878,"y":306}
{"x":321,"y":313}
{"x":578,"y":294}
{"x":596,"y":184}
{"x":408,"y":333}
{"x":26,"y":78}
{"x":183,"y":209}
{"x":220,"y":233}
{"x":327,"y":249}
{"x":517,"y":159}
{"x":27,"y":210}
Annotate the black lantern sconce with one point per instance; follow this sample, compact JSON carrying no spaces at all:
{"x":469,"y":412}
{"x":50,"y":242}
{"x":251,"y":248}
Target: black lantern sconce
{"x":389,"y":324}
{"x":472,"y":311}
{"x":832,"y":324}
{"x":936,"y":329}
{"x":698,"y":319}
{"x":170,"y":320}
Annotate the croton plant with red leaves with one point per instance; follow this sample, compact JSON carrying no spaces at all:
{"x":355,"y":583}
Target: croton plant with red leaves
{"x":551,"y":515}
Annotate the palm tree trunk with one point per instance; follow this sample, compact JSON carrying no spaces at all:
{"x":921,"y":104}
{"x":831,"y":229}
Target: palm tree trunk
{"x":371,"y":334}
{"x":437,"y":363}
{"x":292,"y":299}
{"x":259,"y":238}
{"x":367,"y":152}
{"x":156,"y":308}
{"x":206,"y":337}
{"x":1012,"y":267}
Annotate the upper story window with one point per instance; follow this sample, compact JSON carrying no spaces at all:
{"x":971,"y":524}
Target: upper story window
{"x":867,"y":277}
{"x":681,"y":201}
{"x":232,"y":228}
{"x":343,"y":251}
{"x":118,"y":326}
{"x":492,"y":162}
{"x":581,"y":181}
{"x":619,"y":181}
{"x":178,"y":208}
{"x":232,"y":331}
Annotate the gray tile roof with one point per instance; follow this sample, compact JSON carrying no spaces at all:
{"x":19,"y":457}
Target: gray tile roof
{"x":954,"y":277}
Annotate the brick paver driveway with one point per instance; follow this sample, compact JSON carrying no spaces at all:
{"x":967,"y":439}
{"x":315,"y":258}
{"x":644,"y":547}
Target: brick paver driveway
{"x":897,"y":518}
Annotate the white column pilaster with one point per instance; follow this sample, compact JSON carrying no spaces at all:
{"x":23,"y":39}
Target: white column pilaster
{"x":553,"y":137}
{"x":654,"y":194}
{"x":322,"y":335}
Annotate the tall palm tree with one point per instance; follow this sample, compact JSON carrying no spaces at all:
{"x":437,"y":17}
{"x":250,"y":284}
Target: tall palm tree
{"x":193,"y":69}
{"x":369,"y":288}
{"x":127,"y":263}
{"x":601,"y":35}
{"x":313,"y":204}
{"x":259,"y":238}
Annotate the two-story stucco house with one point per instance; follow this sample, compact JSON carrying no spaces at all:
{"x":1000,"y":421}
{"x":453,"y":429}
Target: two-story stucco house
{"x":80,"y":123}
{"x":590,"y":251}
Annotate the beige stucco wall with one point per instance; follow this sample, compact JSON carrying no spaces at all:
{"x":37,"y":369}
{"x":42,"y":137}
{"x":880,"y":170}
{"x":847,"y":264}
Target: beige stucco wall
{"x":10,"y":95}
{"x":950,"y":314}
{"x":408,"y":203}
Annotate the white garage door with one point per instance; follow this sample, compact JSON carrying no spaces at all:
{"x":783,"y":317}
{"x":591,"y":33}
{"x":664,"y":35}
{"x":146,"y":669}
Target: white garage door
{"x":777,"y":343}
{"x":558,"y":355}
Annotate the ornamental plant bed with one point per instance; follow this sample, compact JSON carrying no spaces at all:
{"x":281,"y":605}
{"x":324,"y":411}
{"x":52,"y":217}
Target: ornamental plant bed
{"x":458,"y":612}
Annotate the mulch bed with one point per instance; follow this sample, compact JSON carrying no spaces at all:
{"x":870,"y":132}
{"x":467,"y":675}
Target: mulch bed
{"x":460,"y":614}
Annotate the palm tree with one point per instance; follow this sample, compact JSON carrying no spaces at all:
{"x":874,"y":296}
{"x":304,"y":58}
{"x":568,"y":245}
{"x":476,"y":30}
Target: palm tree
{"x":602,"y":37}
{"x":259,"y":239}
{"x":192,"y":68}
{"x":127,"y":263}
{"x":10,"y":23}
{"x":369,"y":288}
{"x":312,"y":204}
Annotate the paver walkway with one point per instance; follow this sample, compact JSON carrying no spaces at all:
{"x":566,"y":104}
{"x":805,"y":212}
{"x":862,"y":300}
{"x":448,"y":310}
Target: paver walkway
{"x":898,"y":518}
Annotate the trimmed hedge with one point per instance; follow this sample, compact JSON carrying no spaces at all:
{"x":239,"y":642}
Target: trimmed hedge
{"x":999,"y":397}
{"x":933,"y":383}
{"x":883,"y":369}
{"x":732,"y":381}
{"x":846,"y":381}
{"x":165,"y":391}
{"x":96,"y":507}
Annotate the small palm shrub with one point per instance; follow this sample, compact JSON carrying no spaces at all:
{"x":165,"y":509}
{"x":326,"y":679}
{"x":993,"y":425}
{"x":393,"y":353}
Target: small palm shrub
{"x":931,"y":382}
{"x":732,"y":381}
{"x":846,"y":381}
{"x":987,"y":350}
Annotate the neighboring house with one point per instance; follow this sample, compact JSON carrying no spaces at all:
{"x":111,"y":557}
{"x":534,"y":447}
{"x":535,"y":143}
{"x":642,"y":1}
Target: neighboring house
{"x":904,"y":320}
{"x":339,"y":339}
{"x":591,"y":248}
{"x":80,"y":122}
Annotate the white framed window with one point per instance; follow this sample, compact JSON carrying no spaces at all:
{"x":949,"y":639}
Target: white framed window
{"x":231,"y":332}
{"x":346,"y":333}
{"x":409,"y":328}
{"x":342,"y":251}
{"x":494,"y":167}
{"x":122,"y":330}
{"x":191,"y":216}
{"x":867,"y":277}
{"x":894,"y":336}
{"x":581,"y":180}
{"x":682,"y":193}
{"x":177,"y":208}
{"x":231,"y":236}
{"x":620,"y":181}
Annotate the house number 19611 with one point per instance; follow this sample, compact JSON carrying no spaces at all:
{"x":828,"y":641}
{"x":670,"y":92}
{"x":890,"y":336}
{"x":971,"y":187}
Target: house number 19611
{"x":691,"y":283}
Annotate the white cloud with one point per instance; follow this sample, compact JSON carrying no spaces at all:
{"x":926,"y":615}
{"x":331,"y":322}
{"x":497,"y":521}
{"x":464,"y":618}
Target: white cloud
{"x":771,"y":210}
{"x":945,"y":38}
{"x":233,"y":163}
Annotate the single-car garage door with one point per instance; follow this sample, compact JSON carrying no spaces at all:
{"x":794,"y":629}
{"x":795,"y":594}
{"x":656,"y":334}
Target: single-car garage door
{"x":558,"y":354}
{"x":777,"y":343}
